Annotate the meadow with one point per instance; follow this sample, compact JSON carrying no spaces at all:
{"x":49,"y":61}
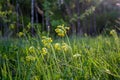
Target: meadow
{"x":66,"y":58}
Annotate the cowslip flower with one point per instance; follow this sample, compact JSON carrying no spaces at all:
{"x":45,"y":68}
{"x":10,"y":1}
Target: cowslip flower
{"x":20,"y":34}
{"x":44,"y":51}
{"x":65,"y":47}
{"x":46,"y":41}
{"x":57,"y":46}
{"x":112,"y":32}
{"x":61,"y":30}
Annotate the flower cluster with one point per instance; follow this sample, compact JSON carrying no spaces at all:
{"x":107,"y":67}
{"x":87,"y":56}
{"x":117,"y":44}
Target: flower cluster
{"x":64,"y":46}
{"x":20,"y":34}
{"x":47,"y":44}
{"x":44,"y":51}
{"x":57,"y":46}
{"x":61,"y":30}
{"x":46,"y":41}
{"x":33,"y":50}
{"x":112,"y":32}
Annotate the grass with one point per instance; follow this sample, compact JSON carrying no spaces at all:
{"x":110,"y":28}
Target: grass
{"x":85,"y":58}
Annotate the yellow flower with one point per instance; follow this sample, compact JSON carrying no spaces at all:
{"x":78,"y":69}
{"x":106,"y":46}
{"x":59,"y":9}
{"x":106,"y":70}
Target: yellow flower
{"x":57,"y":30}
{"x":44,"y":51}
{"x":30,"y":58}
{"x":60,"y":26}
{"x":61,"y":30}
{"x":112,"y":32}
{"x":20,"y":34}
{"x":65,"y":47}
{"x":46,"y":41}
{"x":61,"y":34}
{"x":57,"y":46}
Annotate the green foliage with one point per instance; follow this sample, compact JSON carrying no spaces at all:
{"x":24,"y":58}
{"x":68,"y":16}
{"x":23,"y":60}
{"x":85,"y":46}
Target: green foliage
{"x":58,"y":14}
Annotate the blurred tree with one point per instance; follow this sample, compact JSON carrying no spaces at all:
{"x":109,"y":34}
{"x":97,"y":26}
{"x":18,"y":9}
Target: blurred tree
{"x":83,"y":16}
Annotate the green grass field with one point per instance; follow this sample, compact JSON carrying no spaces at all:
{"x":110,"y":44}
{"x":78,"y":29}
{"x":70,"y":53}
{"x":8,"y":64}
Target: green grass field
{"x":82,"y":58}
{"x":73,"y":58}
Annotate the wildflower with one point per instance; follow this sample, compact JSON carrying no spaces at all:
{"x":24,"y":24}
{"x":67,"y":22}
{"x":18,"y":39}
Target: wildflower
{"x":20,"y":34}
{"x":61,"y":30}
{"x":57,"y":46}
{"x":49,"y":40}
{"x":44,"y":51}
{"x":112,"y":32}
{"x":60,"y":26}
{"x":30,"y":58}
{"x":65,"y":47}
{"x":61,"y":34}
{"x":46,"y":41}
{"x":32,"y":49}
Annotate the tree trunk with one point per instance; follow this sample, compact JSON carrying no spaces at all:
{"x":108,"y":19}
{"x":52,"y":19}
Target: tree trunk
{"x":17,"y":11}
{"x":43,"y":22}
{"x":36,"y":16}
{"x":40,"y":12}
{"x":79,"y":31}
{"x":32,"y":16}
